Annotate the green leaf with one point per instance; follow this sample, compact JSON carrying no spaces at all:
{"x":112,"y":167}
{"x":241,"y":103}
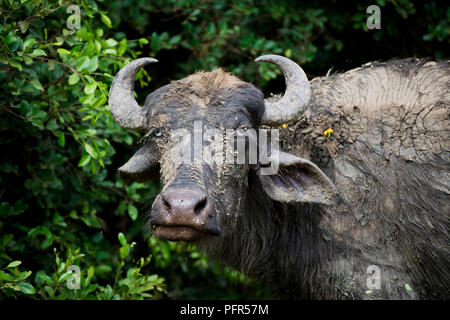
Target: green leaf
{"x":103,"y":269}
{"x":87,"y":99}
{"x":27,"y":60}
{"x":82,"y":63}
{"x":14,"y":264}
{"x":427,"y":37}
{"x":93,"y":64}
{"x":44,"y":277}
{"x":28,"y":43}
{"x":99,"y":102}
{"x":63,"y":51}
{"x":288,"y":53}
{"x":143,"y":41}
{"x":16,"y":65}
{"x":49,"y":291}
{"x":408,"y":287}
{"x":175,"y":40}
{"x":23,"y":25}
{"x":122,"y":239}
{"x":35,"y":83}
{"x":26,"y":288}
{"x":10,"y":38}
{"x":90,"y":87}
{"x":90,"y":150}
{"x":98,"y":46}
{"x":90,"y":272}
{"x":105,"y":20}
{"x":12,"y":42}
{"x":62,"y":140}
{"x":37,"y":53}
{"x":5,"y":276}
{"x":74,"y":78}
{"x":122,"y":47}
{"x":111,"y":52}
{"x":111,"y":42}
{"x":65,"y":276}
{"x":23,"y":275}
{"x":84,"y":160}
{"x":124,"y":252}
{"x":132,"y":211}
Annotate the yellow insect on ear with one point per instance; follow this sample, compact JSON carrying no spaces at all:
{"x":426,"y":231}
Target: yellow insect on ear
{"x":328,"y":132}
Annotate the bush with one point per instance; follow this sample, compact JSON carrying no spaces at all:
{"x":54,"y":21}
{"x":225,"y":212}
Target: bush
{"x":57,"y":174}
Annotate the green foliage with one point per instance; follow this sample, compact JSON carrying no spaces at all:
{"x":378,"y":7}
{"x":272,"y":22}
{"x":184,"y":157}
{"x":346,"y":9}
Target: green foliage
{"x":11,"y":279}
{"x":317,"y":34}
{"x":57,"y":126}
{"x":59,"y":191}
{"x":57,"y":285}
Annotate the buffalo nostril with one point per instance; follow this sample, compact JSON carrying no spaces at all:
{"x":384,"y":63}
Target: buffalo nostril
{"x":166,"y":203}
{"x":187,"y":207}
{"x":200,"y":206}
{"x":184,"y":202}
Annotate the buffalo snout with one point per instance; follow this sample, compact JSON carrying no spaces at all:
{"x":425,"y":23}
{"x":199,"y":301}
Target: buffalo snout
{"x":184,"y":214}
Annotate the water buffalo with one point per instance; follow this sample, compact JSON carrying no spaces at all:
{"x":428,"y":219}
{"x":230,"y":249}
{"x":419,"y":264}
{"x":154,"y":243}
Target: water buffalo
{"x":359,"y":206}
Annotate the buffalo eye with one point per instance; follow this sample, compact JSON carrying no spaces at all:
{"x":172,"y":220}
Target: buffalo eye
{"x":156,"y":132}
{"x":242,"y":131}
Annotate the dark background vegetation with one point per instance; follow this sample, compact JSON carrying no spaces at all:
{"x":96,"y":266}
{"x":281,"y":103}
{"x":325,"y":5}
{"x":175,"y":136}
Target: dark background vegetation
{"x":61,"y":202}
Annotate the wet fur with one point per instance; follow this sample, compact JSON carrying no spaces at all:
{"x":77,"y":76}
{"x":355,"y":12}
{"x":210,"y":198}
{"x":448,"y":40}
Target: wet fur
{"x":389,"y":163}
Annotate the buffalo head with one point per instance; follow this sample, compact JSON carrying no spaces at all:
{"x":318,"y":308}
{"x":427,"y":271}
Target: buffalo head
{"x":203,"y":197}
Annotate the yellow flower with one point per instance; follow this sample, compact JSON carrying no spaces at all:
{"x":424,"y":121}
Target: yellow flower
{"x":328,"y":132}
{"x":284,"y":125}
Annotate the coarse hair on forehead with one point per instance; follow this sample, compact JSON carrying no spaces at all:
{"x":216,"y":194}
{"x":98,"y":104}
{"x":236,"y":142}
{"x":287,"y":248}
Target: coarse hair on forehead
{"x":207,"y":83}
{"x":199,"y":87}
{"x":207,"y":89}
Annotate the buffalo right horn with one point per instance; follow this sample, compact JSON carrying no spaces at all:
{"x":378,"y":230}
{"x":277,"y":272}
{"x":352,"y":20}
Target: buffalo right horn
{"x":296,"y":96}
{"x":124,"y":108}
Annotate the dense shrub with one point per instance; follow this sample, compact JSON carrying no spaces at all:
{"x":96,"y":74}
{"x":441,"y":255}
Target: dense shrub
{"x":61,"y":202}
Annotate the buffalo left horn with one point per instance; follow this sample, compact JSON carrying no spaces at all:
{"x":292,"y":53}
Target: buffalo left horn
{"x":296,"y":96}
{"x":124,"y":108}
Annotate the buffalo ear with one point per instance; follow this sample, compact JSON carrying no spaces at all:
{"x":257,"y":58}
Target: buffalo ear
{"x":298,"y":180}
{"x":142,"y":166}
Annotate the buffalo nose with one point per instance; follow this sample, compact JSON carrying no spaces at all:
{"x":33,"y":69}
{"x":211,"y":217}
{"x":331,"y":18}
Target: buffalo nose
{"x":185,"y":202}
{"x":184,"y":214}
